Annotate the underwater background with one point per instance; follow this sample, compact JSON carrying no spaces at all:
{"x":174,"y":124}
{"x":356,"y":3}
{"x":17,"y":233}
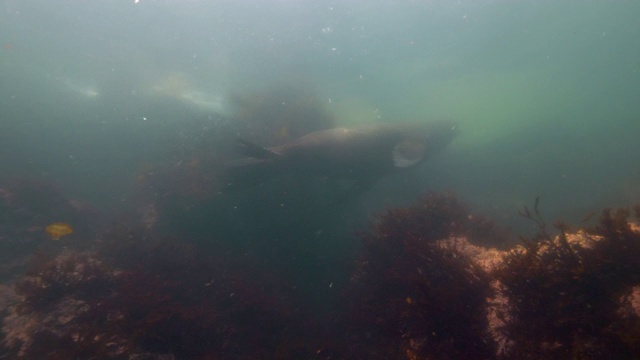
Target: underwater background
{"x":117,"y":119}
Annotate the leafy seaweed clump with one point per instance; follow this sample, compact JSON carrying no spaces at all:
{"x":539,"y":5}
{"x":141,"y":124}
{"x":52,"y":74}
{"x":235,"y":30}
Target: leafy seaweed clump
{"x":49,"y":322}
{"x":143,"y":297}
{"x":426,"y":299}
{"x":566,"y":294}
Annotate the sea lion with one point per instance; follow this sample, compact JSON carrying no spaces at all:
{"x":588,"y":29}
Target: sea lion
{"x":359,"y":153}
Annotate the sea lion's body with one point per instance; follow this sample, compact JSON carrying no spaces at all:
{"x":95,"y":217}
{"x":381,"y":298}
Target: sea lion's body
{"x":359,"y":153}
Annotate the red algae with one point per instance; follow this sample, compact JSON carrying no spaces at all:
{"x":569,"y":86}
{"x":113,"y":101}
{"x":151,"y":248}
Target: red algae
{"x":165,"y":299}
{"x":564,"y":294}
{"x":426,"y":285}
{"x":425,"y":297}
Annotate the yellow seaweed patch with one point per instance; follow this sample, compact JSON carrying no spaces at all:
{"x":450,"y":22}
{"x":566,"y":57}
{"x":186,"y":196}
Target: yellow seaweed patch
{"x":58,"y":230}
{"x":409,"y":300}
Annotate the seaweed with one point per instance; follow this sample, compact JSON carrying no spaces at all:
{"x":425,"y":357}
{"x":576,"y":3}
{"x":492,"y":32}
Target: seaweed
{"x":49,"y":280}
{"x":426,"y":299}
{"x":565,"y":294}
{"x":163,"y":298}
{"x":56,"y":296}
{"x":418,"y":291}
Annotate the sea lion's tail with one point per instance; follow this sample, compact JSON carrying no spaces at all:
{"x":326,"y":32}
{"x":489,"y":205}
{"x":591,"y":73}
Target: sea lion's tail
{"x":259,"y":165}
{"x":255,"y":151}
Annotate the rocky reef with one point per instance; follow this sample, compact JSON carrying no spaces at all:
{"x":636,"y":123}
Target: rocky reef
{"x":135,"y":296}
{"x":427,"y":283}
{"x":432,"y":294}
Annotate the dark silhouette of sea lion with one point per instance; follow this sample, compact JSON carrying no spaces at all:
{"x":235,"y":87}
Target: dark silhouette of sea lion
{"x":363,"y":153}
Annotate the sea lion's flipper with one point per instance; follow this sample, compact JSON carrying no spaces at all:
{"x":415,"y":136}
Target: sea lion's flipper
{"x":258,"y":165}
{"x":256,"y":151}
{"x":408,"y":152}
